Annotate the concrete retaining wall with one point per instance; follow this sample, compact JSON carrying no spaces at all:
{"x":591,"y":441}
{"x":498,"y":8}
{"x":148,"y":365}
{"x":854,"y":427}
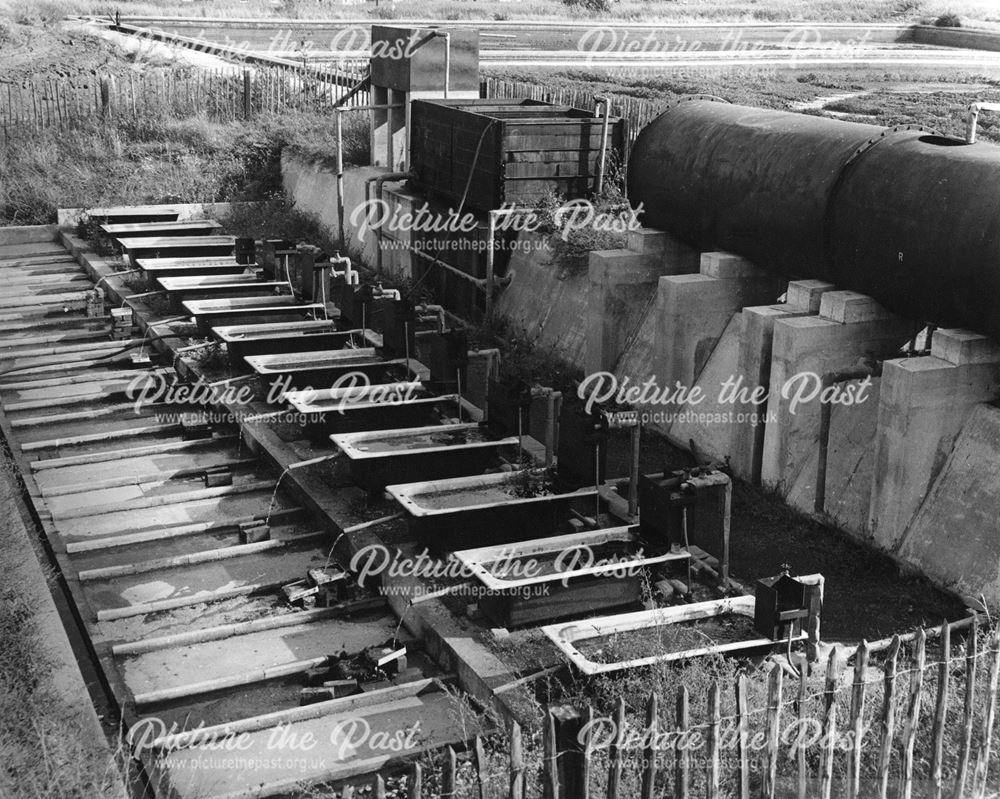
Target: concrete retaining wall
{"x":657,"y":309}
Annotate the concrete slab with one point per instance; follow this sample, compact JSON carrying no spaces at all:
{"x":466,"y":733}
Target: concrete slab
{"x":268,"y":767}
{"x":953,"y":536}
{"x":177,"y":667}
{"x":548,"y":303}
{"x":143,"y":467}
{"x":139,"y":497}
{"x":12,"y":252}
{"x":198,"y":583}
{"x":127,"y":521}
{"x":804,"y":349}
{"x":712,"y":424}
{"x":694,"y":310}
{"x":924,"y":403}
{"x":850,"y":467}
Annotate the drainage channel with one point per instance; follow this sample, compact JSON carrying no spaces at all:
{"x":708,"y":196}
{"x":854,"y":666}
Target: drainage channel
{"x":147,"y":518}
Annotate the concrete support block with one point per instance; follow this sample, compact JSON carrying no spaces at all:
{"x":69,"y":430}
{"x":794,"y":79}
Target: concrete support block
{"x":803,"y":350}
{"x":621,"y":282}
{"x":694,"y":310}
{"x":622,"y":291}
{"x":805,"y":295}
{"x":923,"y":404}
{"x":674,"y":256}
{"x":754,"y":373}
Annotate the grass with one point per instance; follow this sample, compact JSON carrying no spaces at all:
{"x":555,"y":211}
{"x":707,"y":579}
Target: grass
{"x":44,"y":751}
{"x":932,"y":97}
{"x":157,"y":160}
{"x":667,"y":10}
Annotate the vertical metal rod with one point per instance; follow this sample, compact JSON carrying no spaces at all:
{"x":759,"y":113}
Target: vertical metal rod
{"x":597,"y":482}
{"x":604,"y":144}
{"x":340,"y":178}
{"x":490,"y":233}
{"x":633,"y":478}
{"x":406,"y":345}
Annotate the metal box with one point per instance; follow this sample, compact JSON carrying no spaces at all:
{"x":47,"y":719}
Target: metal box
{"x":413,"y":59}
{"x":780,"y":605}
{"x":516,"y":151}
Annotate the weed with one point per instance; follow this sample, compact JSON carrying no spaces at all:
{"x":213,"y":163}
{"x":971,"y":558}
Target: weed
{"x":948,"y":20}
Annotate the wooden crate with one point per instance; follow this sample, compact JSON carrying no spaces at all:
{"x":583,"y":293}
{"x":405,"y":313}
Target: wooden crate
{"x":516,"y":151}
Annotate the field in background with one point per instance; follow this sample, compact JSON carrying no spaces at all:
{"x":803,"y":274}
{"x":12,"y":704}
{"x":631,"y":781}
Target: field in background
{"x":653,"y":10}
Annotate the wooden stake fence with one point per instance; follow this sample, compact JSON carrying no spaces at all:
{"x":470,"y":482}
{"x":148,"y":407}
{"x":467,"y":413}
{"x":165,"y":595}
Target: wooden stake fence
{"x":36,"y":103}
{"x":882,"y":733}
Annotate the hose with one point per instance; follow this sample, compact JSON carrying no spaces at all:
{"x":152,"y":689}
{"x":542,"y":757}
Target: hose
{"x":132,"y":346}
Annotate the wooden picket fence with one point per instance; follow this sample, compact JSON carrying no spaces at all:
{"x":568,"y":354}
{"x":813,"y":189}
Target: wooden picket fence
{"x":909,"y":727}
{"x":41,"y":102}
{"x":639,"y":113}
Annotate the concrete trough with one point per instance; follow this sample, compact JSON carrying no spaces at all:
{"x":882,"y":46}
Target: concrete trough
{"x":139,"y":247}
{"x":383,"y":406}
{"x":311,"y":335}
{"x":448,"y":515}
{"x":155,"y":268}
{"x":134,"y":214}
{"x":381,"y":457}
{"x":562,"y":576}
{"x":581,"y":642}
{"x":130,"y":230}
{"x":248,"y":310}
{"x":203,"y":288}
{"x":304,"y":370}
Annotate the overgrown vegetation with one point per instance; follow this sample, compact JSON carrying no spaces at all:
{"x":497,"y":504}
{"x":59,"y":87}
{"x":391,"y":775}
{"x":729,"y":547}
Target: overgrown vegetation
{"x":43,"y":749}
{"x":137,"y":160}
{"x":847,"y":10}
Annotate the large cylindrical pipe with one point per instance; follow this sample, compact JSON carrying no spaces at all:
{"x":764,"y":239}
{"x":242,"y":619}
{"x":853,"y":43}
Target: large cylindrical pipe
{"x":915,"y":223}
{"x":903,"y":215}
{"x":744,"y":180}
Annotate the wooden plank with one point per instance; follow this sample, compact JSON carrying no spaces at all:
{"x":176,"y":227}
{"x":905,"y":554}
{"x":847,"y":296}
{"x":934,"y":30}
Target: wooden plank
{"x":713,"y":785}
{"x":517,"y":775}
{"x":969,"y":709}
{"x":648,"y":788}
{"x":615,"y":754}
{"x":941,"y":713}
{"x":550,"y":769}
{"x":769,"y":778}
{"x":913,"y":715}
{"x":856,"y":723}
{"x":829,"y":723}
{"x":986,"y":734}
{"x":682,"y":752}
{"x":416,"y":782}
{"x":888,"y":720}
{"x":449,"y":774}
{"x":800,"y":750}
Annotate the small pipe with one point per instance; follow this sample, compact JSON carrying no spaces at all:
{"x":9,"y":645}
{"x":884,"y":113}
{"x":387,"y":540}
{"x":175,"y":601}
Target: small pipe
{"x":340,"y":180}
{"x":633,"y":478}
{"x":973,"y":119}
{"x":447,"y":62}
{"x":490,"y":233}
{"x":379,"y":181}
{"x":437,"y":310}
{"x":604,"y":142}
{"x":826,"y":414}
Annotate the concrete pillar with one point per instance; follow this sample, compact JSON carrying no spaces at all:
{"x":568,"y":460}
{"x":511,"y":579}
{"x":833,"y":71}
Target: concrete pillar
{"x":851,"y":329}
{"x":923,"y":404}
{"x":622,"y":285}
{"x":802,"y":298}
{"x":694,"y":310}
